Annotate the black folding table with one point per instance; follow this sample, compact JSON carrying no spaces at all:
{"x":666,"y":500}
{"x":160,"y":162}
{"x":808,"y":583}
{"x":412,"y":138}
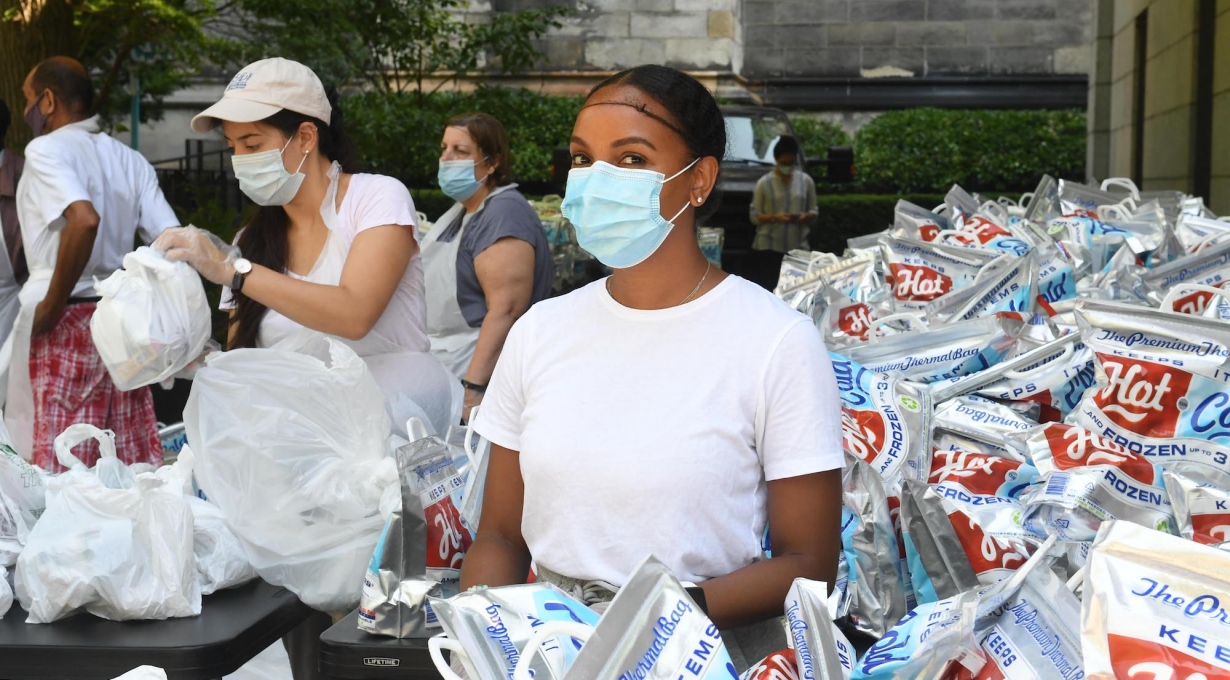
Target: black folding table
{"x":348,"y":653}
{"x":234,"y":626}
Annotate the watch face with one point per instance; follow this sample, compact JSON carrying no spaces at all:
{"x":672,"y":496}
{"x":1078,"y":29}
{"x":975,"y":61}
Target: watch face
{"x":243,"y":266}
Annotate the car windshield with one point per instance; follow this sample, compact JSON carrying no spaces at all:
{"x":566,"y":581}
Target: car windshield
{"x":750,"y":137}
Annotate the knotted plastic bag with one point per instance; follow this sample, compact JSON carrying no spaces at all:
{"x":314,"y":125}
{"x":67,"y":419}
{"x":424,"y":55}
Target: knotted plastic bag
{"x":220,"y":560}
{"x":119,"y":546}
{"x":153,"y":319}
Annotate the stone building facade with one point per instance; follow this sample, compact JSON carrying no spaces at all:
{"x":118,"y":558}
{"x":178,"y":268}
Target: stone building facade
{"x":840,"y":53}
{"x":1159,"y":97}
{"x":849,"y":58}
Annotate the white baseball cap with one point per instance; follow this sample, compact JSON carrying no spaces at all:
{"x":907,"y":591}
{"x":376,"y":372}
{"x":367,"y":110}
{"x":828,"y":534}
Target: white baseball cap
{"x":263,"y":88}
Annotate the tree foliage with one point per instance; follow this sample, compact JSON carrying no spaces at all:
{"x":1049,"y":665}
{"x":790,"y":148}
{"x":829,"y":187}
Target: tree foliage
{"x":161,"y":42}
{"x":398,"y":135}
{"x":392,"y":45}
{"x":388,"y":45}
{"x":817,"y":134}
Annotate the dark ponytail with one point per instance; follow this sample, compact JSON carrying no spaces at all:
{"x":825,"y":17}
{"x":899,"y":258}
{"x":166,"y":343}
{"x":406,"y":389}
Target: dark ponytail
{"x":264,"y":239}
{"x":695,"y":115}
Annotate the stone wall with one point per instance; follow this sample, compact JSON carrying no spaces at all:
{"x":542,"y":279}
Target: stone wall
{"x":608,"y":35}
{"x":817,"y":38}
{"x":916,"y":37}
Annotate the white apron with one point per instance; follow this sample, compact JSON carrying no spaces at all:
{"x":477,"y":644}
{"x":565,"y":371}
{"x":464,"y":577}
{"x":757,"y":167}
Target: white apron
{"x":452,"y":339}
{"x":15,"y":360}
{"x":414,"y":383}
{"x":10,"y":291}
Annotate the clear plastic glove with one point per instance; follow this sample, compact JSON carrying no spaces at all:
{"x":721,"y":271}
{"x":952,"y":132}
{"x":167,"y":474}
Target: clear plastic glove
{"x":212,"y":257}
{"x":190,"y":370}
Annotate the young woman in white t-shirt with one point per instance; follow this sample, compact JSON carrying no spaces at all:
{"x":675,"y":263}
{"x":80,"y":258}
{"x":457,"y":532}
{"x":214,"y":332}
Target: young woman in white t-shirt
{"x":328,"y":249}
{"x":670,"y":409}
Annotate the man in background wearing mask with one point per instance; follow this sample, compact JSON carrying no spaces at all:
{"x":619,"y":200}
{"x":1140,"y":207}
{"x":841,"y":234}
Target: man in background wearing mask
{"x":783,"y":210}
{"x":81,"y":201}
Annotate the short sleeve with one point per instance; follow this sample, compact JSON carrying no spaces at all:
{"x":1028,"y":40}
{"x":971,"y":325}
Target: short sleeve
{"x":48,"y":186}
{"x":499,"y":419}
{"x":156,"y":213}
{"x":380,"y":202}
{"x":801,"y":423}
{"x":510,"y":217}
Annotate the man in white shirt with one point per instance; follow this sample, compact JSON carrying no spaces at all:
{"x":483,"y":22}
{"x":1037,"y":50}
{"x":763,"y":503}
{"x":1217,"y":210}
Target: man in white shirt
{"x":81,"y":201}
{"x":783,"y":210}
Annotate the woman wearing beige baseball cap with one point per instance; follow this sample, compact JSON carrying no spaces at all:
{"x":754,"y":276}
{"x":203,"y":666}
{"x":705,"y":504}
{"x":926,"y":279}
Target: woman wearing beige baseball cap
{"x":328,"y":249}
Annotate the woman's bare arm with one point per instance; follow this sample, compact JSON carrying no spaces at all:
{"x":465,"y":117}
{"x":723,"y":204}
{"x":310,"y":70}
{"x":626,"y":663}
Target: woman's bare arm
{"x":805,"y":528}
{"x":499,"y":556}
{"x":374,"y":267}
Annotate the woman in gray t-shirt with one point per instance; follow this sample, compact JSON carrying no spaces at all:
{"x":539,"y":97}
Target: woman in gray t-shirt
{"x":486,"y":260}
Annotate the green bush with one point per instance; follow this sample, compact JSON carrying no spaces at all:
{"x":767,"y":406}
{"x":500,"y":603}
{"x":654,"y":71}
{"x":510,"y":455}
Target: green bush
{"x":929,"y":150}
{"x":816,"y":135}
{"x":399,"y":134}
{"x":915,"y":150}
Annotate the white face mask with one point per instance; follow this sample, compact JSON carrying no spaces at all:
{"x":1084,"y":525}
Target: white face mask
{"x":263,"y":176}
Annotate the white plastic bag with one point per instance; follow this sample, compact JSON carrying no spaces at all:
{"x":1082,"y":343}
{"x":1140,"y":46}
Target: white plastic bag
{"x":417,"y":385}
{"x":290,"y":444}
{"x":22,"y":499}
{"x":144,"y":673}
{"x":119,"y":547}
{"x":220,"y":561}
{"x":109,"y":470}
{"x":153,"y":319}
{"x":6,"y":593}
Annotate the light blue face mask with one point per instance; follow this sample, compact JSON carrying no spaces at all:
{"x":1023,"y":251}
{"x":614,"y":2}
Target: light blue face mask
{"x":616,"y":212}
{"x":457,"y":179}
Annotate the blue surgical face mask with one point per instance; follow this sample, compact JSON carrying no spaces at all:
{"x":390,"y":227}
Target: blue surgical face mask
{"x":264,"y":178}
{"x":616,"y":213}
{"x":457,"y":179}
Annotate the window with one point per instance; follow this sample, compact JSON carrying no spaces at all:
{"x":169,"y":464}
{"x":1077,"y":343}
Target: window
{"x":1141,"y":53}
{"x":750,"y":136}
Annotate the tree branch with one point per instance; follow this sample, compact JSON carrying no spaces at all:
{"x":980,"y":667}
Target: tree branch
{"x":121,"y":56}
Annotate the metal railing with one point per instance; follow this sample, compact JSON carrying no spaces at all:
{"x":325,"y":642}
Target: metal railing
{"x":199,"y":177}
